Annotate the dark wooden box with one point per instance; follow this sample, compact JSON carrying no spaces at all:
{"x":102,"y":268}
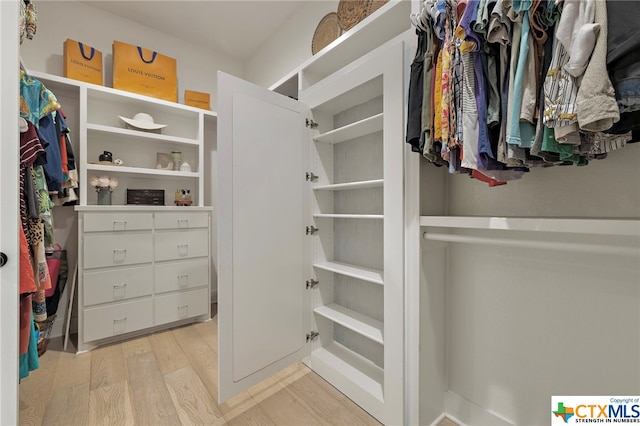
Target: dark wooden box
{"x":152,"y":197}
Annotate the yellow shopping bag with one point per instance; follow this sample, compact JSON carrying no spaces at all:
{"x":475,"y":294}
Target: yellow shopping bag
{"x":82,"y":62}
{"x":143,"y":71}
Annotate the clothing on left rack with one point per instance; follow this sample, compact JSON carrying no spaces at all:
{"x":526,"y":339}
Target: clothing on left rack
{"x":47,"y":169}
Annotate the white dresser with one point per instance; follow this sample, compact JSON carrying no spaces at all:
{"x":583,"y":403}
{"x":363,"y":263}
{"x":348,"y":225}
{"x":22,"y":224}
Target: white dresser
{"x":141,"y":269}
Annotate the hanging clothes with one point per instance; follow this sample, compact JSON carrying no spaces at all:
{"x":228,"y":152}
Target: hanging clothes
{"x":525,"y":83}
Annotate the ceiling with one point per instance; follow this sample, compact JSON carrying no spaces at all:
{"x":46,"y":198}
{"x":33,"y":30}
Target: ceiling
{"x":237,"y":28}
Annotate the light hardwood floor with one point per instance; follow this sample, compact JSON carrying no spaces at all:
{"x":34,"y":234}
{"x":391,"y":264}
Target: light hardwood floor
{"x":170,"y":378}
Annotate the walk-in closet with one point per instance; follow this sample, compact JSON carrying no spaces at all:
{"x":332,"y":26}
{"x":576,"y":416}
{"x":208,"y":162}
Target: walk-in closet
{"x":429,"y":214}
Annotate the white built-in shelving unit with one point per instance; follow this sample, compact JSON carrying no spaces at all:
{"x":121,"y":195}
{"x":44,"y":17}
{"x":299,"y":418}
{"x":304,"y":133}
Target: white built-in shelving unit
{"x":353,"y":211}
{"x":141,"y":267}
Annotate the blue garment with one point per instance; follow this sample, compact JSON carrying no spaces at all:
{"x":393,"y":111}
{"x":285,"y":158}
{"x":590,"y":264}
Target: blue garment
{"x":29,"y":361}
{"x":521,"y":133}
{"x":49,"y":138}
{"x":470,"y":15}
{"x":484,"y":144}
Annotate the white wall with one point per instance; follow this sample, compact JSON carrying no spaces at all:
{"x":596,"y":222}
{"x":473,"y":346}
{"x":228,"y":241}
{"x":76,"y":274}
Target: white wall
{"x":521,"y":324}
{"x":290,"y":46}
{"x":524,"y":325}
{"x":59,"y":20}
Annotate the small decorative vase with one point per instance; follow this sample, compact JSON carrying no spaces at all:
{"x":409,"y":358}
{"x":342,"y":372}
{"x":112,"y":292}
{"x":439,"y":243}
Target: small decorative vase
{"x":104,"y":195}
{"x":176,"y":156}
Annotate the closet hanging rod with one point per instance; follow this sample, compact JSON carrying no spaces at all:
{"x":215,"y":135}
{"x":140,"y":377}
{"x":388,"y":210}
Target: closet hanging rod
{"x":548,"y":245}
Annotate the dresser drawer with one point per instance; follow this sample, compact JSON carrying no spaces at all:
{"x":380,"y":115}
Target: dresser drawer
{"x":107,"y":321}
{"x":117,"y":284}
{"x":182,"y":220}
{"x":183,"y":305}
{"x":185,"y":244}
{"x":181,"y":275}
{"x":94,"y":222}
{"x":112,"y":249}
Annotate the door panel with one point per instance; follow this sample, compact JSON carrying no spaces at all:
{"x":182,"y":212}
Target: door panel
{"x":9,"y":220}
{"x":263,"y":261}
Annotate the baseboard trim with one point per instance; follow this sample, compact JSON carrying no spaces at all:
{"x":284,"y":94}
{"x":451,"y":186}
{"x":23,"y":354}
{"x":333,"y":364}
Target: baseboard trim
{"x":464,"y":412}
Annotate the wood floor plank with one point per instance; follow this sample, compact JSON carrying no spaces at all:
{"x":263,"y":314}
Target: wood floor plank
{"x":209,"y":332}
{"x":346,"y":402}
{"x":237,"y":405}
{"x":68,"y":407}
{"x":168,"y":352}
{"x":284,"y":408}
{"x":152,"y":404}
{"x":111,"y":405}
{"x":137,"y":346}
{"x":279,"y":381}
{"x":192,"y":401}
{"x":201,"y":357}
{"x":254,"y":416}
{"x":35,"y":390}
{"x":107,"y":366}
{"x":72,"y":370}
{"x":323,"y":405}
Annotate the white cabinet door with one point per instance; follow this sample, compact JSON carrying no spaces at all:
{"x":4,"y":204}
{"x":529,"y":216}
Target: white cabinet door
{"x":263,"y":251}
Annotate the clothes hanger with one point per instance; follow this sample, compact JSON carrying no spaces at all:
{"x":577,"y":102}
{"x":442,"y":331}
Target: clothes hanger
{"x":417,"y":21}
{"x":23,"y":124}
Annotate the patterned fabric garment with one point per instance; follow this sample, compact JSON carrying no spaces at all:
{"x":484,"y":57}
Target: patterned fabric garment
{"x":43,"y":279}
{"x":36,"y":100}
{"x":560,"y":92}
{"x":31,"y":16}
{"x":22,"y":21}
{"x":30,"y":150}
{"x":34,"y":233}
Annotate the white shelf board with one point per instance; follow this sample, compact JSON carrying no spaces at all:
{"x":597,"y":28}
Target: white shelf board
{"x":113,"y":208}
{"x":377,"y":183}
{"x":345,"y":366}
{"x":141,"y":171}
{"x":60,"y":83}
{"x":387,"y":22}
{"x":354,"y":321}
{"x":351,"y":131}
{"x":622,"y":227}
{"x":351,"y":216}
{"x":155,"y":137}
{"x":365,"y":274}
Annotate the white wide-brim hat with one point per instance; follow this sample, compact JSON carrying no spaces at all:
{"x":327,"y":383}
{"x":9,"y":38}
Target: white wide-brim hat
{"x":142,"y":121}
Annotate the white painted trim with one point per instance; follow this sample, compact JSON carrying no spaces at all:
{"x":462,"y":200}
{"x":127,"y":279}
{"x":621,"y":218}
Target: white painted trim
{"x":9,"y":222}
{"x":465,"y":412}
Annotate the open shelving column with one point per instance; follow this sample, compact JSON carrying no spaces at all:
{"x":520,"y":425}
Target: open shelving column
{"x":356,"y":180}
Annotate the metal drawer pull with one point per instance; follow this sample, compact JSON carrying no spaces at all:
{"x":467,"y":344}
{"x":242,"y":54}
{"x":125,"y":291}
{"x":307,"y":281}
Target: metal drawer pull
{"x":119,"y":251}
{"x":186,"y":222}
{"x":120,"y":285}
{"x":183,"y":276}
{"x":119,"y":222}
{"x":120,"y":321}
{"x":183,"y":307}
